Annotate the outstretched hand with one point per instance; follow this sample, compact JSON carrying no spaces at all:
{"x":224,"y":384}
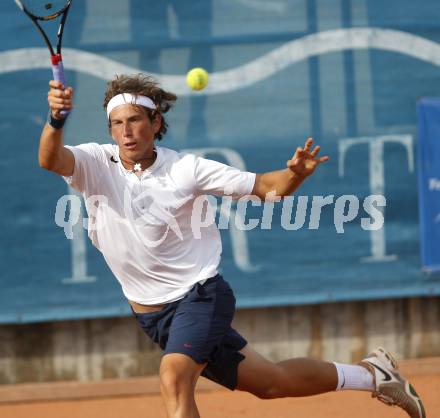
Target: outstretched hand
{"x":304,"y":161}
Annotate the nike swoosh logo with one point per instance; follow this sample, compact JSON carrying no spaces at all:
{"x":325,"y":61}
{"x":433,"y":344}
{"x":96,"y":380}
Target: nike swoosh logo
{"x":384,"y":372}
{"x":113,"y":159}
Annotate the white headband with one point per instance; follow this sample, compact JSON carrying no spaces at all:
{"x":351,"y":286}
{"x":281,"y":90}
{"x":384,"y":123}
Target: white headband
{"x":127,"y":98}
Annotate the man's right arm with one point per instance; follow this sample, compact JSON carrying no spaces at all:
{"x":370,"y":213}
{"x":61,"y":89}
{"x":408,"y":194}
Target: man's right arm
{"x":52,"y":154}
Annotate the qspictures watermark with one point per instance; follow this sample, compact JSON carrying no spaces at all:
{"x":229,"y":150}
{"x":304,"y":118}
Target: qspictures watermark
{"x":295,"y":210}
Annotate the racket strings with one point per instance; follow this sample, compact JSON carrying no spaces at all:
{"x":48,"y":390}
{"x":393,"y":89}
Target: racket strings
{"x":45,"y":8}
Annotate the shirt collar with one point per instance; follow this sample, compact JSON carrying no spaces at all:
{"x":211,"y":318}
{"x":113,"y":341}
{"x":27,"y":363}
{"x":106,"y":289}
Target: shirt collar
{"x":153,"y":167}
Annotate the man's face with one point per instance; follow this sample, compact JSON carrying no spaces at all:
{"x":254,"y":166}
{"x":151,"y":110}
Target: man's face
{"x":133,"y":131}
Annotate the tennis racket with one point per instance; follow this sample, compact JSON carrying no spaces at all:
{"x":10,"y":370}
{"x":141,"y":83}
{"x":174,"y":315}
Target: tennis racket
{"x":42,"y":10}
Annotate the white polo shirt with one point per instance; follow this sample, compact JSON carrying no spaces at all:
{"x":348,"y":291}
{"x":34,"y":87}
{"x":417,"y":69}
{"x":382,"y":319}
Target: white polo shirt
{"x":150,"y":228}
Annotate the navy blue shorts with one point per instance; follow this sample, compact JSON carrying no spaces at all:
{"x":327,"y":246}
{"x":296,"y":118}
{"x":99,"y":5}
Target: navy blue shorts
{"x":199,"y":325}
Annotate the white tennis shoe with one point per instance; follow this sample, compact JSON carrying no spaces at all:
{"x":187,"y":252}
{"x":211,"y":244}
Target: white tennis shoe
{"x":390,"y":387}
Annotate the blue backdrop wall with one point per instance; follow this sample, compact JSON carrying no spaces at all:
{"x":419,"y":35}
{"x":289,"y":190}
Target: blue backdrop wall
{"x":346,"y":72}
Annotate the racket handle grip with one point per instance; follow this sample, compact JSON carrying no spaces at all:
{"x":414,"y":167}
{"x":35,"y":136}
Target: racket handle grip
{"x":58,"y":75}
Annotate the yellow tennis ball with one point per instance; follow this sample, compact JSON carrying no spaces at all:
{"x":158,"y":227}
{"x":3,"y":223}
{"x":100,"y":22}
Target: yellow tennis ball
{"x":197,"y":78}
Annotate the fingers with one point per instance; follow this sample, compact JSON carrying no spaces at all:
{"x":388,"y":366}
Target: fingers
{"x":307,"y":153}
{"x":54,"y":84}
{"x":308,"y":147}
{"x":308,"y":144}
{"x":315,"y":151}
{"x":58,"y":90}
{"x":321,"y":160}
{"x":299,"y":153}
{"x":59,"y":98}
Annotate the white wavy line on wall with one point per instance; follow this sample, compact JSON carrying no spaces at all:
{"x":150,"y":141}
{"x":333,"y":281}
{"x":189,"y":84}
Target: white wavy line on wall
{"x":244,"y":75}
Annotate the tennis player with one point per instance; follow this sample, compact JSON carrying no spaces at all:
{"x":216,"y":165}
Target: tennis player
{"x":144,"y":227}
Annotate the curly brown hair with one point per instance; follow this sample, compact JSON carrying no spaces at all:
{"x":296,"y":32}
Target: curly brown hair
{"x":141,"y":84}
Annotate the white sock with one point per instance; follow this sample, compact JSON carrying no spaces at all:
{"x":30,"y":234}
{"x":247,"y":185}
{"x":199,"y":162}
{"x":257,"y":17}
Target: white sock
{"x":354,"y":378}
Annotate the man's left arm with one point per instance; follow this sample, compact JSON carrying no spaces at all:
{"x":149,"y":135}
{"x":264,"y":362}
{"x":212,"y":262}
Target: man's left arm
{"x":282,"y":183}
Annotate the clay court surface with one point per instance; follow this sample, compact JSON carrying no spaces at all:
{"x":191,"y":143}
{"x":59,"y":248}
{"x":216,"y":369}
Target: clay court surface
{"x":139,"y":398}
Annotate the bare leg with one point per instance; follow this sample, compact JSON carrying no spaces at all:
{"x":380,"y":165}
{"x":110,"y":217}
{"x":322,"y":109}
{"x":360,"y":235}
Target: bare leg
{"x":178,"y":378}
{"x":294,"y":377}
